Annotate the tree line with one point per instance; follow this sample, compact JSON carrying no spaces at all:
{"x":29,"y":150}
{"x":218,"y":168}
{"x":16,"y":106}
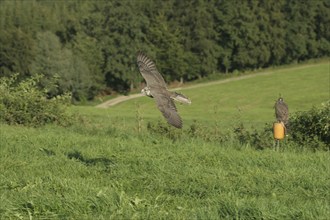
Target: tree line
{"x":90,"y":47}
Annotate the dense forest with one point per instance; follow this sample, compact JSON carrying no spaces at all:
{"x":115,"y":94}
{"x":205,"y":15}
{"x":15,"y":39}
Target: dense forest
{"x":89,"y":47}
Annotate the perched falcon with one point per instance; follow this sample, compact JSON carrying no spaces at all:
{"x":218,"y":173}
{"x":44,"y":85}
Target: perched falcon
{"x":156,"y":88}
{"x":282,"y":111}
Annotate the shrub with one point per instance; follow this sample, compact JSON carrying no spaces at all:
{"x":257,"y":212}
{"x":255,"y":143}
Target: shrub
{"x":258,"y":139}
{"x":24,"y":103}
{"x":210,"y":133}
{"x":196,"y":130}
{"x":164,"y":130}
{"x":242,"y":134}
{"x":312,"y":127}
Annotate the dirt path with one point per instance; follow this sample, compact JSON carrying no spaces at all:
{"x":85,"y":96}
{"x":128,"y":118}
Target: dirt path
{"x":117,"y":100}
{"x":120,"y":99}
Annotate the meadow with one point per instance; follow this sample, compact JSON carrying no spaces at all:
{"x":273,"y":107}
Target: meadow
{"x":111,"y":165}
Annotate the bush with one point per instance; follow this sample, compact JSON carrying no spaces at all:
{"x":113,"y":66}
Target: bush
{"x":25,"y":104}
{"x":196,"y":130}
{"x":210,"y":133}
{"x":164,"y":130}
{"x":312,"y":127}
{"x":258,"y":139}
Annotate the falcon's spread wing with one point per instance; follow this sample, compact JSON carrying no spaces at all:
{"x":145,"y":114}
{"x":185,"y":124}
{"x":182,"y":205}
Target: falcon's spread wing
{"x":149,"y":71}
{"x":166,"y":105}
{"x":157,"y":86}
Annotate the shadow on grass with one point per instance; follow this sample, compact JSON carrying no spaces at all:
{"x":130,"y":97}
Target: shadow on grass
{"x":47,"y":152}
{"x":99,"y":161}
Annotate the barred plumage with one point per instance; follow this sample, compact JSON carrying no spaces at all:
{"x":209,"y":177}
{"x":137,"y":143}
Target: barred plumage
{"x":282,"y":112}
{"x":156,"y":88}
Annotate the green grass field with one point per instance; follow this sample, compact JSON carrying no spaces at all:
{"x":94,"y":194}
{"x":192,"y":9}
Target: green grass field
{"x":108,"y":167}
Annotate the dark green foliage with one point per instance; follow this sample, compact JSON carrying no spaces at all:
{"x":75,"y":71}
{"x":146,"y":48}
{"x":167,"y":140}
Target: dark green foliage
{"x":312,"y":128}
{"x":210,"y":133}
{"x":16,"y":53}
{"x":24,"y":104}
{"x":91,"y":45}
{"x":258,"y":139}
{"x":73,"y":75}
{"x":165,"y":130}
{"x":262,"y":139}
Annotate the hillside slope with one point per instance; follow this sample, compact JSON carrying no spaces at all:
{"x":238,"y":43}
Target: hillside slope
{"x":248,"y":98}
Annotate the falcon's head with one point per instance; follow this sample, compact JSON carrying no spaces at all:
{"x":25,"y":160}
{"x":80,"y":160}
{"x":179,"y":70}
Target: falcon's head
{"x":146,"y":91}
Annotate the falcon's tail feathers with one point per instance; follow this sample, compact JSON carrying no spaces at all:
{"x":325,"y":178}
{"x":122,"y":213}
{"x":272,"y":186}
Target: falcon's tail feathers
{"x":180,"y":98}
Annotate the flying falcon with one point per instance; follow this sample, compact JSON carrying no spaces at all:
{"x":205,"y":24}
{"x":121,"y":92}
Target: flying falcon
{"x":156,"y":88}
{"x":282,"y":112}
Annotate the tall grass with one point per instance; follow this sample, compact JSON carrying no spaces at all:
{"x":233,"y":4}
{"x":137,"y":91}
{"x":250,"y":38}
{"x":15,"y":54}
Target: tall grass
{"x":105,"y":173}
{"x":250,"y":100}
